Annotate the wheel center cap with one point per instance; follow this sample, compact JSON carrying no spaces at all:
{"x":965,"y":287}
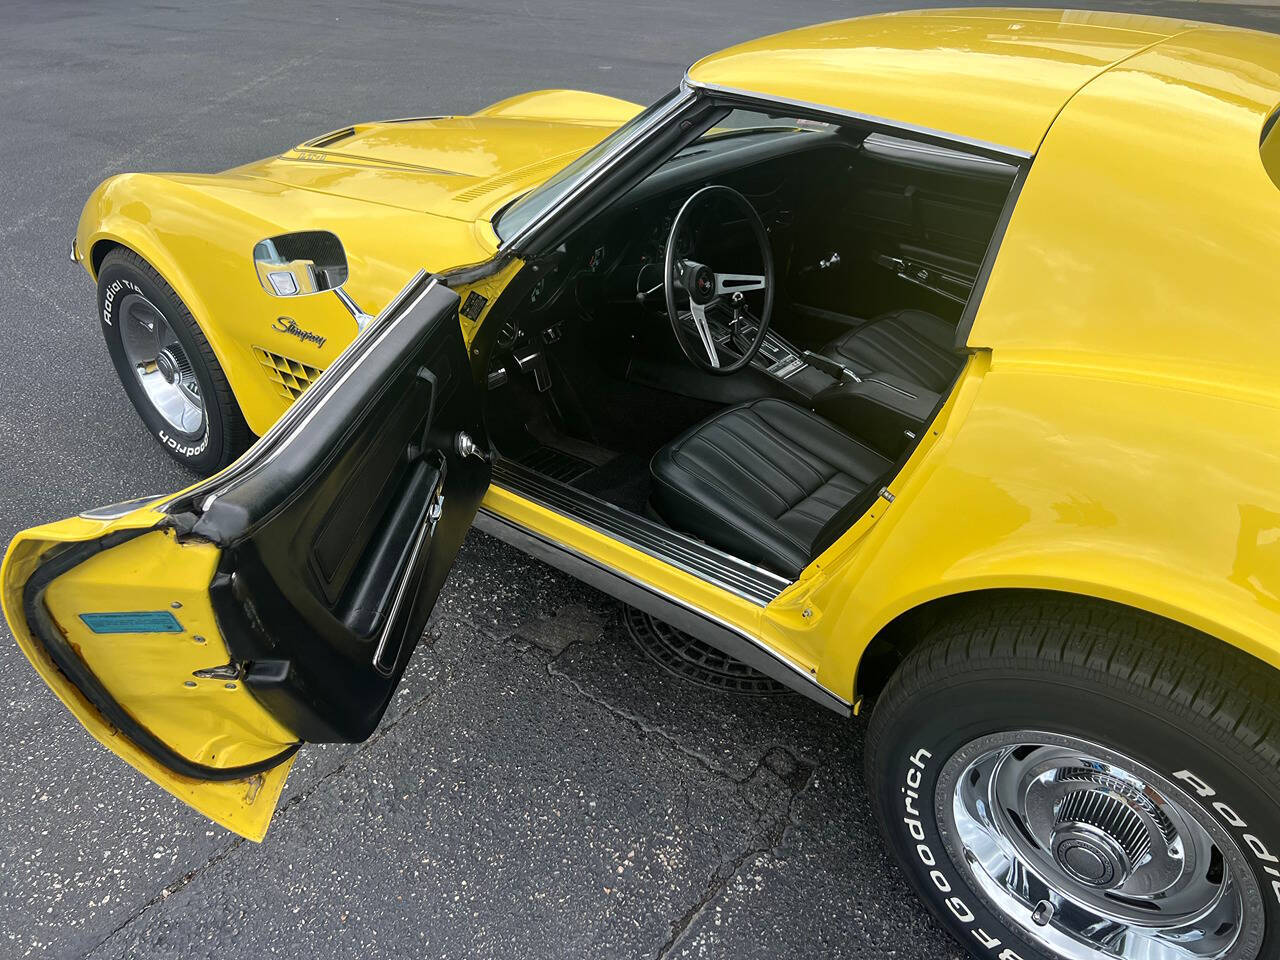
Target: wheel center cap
{"x":167,"y":364}
{"x":1088,"y":861}
{"x":1098,"y":838}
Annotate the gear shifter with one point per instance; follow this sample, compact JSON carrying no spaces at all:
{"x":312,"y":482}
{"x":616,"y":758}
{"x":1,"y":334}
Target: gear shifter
{"x":742,"y":339}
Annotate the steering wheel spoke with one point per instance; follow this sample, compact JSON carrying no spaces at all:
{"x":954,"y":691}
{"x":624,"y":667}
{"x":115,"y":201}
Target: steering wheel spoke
{"x":699,"y":313}
{"x":731,"y":283}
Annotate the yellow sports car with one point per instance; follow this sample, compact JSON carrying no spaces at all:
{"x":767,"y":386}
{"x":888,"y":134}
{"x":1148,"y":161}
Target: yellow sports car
{"x":927,"y":359}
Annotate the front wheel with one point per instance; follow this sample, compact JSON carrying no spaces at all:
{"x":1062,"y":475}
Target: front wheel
{"x":1066,"y":780}
{"x":167,"y":367}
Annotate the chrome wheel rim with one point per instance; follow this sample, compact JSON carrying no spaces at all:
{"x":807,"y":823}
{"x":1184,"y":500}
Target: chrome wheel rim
{"x":161,"y":365}
{"x":1089,"y":854}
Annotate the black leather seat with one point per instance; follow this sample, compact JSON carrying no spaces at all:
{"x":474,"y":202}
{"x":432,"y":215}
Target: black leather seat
{"x":912,"y":344}
{"x":767,"y":481}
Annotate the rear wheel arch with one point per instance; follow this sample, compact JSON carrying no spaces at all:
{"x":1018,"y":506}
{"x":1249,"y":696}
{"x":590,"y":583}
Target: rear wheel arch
{"x":912,"y":628}
{"x":1027,"y":673}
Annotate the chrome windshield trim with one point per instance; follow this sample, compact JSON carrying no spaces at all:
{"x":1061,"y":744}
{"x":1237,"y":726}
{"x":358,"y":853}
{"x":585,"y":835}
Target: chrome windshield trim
{"x":692,"y":90}
{"x":433,"y":116}
{"x":878,"y":124}
{"x":620,"y":151}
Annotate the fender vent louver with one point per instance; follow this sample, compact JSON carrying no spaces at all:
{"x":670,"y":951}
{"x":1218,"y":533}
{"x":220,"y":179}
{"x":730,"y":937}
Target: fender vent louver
{"x":290,"y":376}
{"x":329,"y":139}
{"x":494,"y":183}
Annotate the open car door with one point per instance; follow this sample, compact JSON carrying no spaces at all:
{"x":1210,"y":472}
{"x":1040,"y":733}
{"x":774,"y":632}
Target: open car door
{"x":203,"y":637}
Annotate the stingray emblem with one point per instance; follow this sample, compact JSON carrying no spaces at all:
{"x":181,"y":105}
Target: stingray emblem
{"x":290,"y":326}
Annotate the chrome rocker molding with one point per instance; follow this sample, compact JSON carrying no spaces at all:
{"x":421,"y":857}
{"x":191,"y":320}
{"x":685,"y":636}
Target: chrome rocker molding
{"x":669,"y":609}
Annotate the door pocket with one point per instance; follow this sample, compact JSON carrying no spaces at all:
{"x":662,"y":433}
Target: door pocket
{"x":389,"y":558}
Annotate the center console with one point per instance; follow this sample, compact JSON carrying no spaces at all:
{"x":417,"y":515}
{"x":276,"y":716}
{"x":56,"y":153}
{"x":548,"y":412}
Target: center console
{"x":782,"y":361}
{"x":881,"y":408}
{"x":885,"y":410}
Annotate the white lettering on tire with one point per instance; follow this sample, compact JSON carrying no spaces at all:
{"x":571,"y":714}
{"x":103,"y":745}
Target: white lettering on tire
{"x":185,"y":449}
{"x":109,"y":297}
{"x":1269,"y":862}
{"x":108,"y":304}
{"x":1266,"y":859}
{"x":915,"y":827}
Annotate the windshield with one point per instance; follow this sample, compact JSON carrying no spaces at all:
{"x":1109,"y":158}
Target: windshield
{"x":736,"y":125}
{"x":533,"y":204}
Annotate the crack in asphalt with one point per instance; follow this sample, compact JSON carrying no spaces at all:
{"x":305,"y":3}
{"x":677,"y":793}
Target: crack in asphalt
{"x":163,"y":894}
{"x":769,"y":838}
{"x":426,"y":646}
{"x":513,"y":636}
{"x":640,"y":723}
{"x":720,"y":879}
{"x":729,"y":867}
{"x":708,"y":763}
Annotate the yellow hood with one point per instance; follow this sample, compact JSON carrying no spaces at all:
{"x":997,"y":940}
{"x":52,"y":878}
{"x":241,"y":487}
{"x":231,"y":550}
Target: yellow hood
{"x":457,"y":167}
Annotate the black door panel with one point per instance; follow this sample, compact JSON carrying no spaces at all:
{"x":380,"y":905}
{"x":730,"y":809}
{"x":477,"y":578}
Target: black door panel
{"x":911,"y":227}
{"x":335,"y":548}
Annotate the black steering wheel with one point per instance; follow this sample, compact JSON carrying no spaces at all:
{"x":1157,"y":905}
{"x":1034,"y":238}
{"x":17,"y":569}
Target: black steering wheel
{"x":717,"y":332}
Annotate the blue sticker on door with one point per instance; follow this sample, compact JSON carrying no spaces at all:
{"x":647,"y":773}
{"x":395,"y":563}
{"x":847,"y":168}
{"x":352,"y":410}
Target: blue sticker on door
{"x":138,"y":621}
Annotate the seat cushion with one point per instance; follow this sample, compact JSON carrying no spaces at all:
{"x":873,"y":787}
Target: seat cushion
{"x":912,"y":344}
{"x":767,"y":481}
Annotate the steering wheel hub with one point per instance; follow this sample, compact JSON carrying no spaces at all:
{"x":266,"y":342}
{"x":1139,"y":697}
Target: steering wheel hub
{"x":701,"y":283}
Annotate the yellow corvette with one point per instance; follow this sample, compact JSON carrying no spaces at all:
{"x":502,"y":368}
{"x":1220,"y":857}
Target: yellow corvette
{"x":926,"y":359}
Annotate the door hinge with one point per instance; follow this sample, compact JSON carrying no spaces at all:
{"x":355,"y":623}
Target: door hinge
{"x":885,"y":495}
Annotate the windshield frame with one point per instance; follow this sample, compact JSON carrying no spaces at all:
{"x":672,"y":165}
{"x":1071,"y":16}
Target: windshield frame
{"x":578,"y":176}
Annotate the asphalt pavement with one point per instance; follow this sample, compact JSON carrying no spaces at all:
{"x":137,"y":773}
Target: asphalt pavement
{"x":539,"y":788}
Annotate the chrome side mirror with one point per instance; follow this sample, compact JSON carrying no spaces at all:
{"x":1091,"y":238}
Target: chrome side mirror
{"x":299,"y":264}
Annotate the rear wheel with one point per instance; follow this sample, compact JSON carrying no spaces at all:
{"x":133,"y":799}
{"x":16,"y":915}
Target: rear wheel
{"x":1076,"y":781}
{"x":166,"y":365}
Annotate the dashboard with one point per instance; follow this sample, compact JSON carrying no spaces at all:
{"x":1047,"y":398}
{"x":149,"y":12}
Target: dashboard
{"x":617,"y":257}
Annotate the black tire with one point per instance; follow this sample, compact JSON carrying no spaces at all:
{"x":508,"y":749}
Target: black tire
{"x":1199,"y":713}
{"x":223,"y":435}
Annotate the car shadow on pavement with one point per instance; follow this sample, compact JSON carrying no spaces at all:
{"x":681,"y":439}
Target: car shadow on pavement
{"x":541,"y":787}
